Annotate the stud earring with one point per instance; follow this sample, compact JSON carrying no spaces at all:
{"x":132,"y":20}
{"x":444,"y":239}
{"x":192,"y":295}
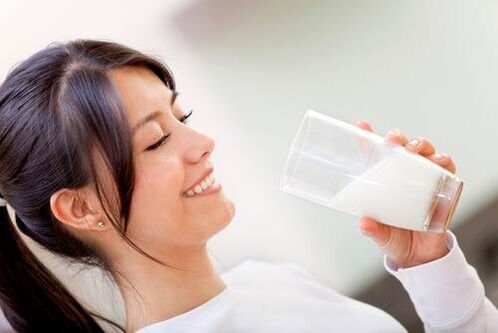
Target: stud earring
{"x":101,"y":224}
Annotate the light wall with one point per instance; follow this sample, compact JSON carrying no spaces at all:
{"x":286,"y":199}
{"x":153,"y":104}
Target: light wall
{"x":428,"y":68}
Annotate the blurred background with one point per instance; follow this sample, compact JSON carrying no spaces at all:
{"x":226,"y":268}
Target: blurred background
{"x":250,"y":69}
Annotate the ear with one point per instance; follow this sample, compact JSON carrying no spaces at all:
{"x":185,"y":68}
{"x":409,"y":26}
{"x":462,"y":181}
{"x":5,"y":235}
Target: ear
{"x":78,"y":209}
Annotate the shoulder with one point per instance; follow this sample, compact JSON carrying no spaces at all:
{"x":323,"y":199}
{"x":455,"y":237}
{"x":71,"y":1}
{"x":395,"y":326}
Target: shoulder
{"x":289,"y":290}
{"x":257,"y":272}
{"x":287,"y":278}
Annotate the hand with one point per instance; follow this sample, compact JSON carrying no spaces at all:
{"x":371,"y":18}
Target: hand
{"x":404,"y":247}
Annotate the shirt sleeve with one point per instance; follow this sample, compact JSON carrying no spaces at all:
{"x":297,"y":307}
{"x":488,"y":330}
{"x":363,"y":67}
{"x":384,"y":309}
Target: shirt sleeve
{"x":447,"y":293}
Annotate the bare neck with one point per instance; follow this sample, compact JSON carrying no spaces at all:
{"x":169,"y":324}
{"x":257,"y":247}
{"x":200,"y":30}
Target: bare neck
{"x":154,"y":293}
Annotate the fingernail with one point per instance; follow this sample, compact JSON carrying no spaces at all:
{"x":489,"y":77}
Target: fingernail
{"x":391,"y":133}
{"x":364,"y":232}
{"x":438,"y":156}
{"x":414,"y":142}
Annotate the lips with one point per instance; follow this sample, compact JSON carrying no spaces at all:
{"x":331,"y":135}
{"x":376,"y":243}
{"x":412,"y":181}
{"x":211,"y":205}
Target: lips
{"x":201,"y":178}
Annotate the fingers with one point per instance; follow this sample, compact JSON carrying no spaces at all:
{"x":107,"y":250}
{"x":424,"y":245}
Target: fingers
{"x":425,"y":148}
{"x":444,"y":161}
{"x":364,"y":125}
{"x":397,"y":137}
{"x":378,"y":232}
{"x":421,"y":146}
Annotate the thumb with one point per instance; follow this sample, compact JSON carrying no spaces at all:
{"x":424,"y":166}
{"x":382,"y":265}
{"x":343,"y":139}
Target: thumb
{"x":378,"y":232}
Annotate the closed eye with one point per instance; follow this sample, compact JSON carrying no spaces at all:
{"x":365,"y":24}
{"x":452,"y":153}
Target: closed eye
{"x":184,"y":118}
{"x":158,"y":143}
{"x":162,"y":140}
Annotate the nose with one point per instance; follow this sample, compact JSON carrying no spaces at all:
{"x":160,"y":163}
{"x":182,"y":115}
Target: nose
{"x":200,"y":146}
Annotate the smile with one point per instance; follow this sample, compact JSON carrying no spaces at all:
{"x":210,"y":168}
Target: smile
{"x":205,"y":185}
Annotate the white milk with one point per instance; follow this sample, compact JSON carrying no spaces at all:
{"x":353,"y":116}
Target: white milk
{"x":398,"y":191}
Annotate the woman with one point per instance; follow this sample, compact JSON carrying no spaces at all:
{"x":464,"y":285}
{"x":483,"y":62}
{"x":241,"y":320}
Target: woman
{"x":97,"y":162}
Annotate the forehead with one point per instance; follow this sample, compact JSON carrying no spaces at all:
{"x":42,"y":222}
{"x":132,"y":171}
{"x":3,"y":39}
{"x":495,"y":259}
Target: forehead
{"x":141,"y":90}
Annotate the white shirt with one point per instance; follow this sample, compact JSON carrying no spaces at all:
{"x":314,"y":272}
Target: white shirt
{"x":263,"y":297}
{"x":448,"y":294}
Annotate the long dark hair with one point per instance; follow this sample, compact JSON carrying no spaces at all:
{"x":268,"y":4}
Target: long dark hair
{"x":58,"y":108}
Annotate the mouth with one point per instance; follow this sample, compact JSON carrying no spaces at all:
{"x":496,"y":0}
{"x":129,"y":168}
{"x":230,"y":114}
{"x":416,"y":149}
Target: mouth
{"x":205,"y":185}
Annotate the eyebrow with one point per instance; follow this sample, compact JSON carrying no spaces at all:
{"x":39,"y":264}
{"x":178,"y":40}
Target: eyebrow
{"x":153,"y":115}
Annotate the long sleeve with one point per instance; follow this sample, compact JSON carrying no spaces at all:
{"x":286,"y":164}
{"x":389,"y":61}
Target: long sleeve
{"x":447,"y":293}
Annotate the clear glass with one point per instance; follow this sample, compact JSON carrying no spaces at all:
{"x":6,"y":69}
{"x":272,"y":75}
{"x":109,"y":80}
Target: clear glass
{"x":341,"y":166}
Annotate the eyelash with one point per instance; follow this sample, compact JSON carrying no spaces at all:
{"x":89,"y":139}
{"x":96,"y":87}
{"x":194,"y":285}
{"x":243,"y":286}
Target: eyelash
{"x":163,"y":139}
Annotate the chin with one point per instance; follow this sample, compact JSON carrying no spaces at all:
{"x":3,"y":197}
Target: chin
{"x":225,"y":217}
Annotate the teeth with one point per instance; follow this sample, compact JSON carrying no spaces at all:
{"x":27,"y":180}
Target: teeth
{"x":199,"y":188}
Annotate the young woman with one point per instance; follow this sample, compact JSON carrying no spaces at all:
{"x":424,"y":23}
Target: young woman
{"x":100,"y":168}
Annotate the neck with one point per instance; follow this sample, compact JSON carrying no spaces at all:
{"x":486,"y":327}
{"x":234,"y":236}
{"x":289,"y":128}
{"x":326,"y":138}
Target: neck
{"x":154,"y":293}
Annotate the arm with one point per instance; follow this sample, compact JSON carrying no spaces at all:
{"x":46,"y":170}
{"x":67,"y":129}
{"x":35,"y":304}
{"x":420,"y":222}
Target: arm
{"x":447,"y":293}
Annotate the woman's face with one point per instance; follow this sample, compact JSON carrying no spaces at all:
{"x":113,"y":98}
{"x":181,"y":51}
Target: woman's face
{"x":162,"y":216}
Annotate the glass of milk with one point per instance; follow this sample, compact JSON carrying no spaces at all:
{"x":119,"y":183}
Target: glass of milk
{"x":354,"y":171}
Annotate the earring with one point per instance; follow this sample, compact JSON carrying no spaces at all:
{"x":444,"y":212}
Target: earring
{"x":101,"y":224}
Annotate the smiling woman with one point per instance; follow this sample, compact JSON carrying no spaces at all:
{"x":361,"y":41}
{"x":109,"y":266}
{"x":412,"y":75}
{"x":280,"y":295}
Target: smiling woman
{"x":100,"y":125}
{"x":101,"y":167}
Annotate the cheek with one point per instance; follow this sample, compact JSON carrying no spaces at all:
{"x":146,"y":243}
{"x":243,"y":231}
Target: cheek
{"x":159,"y":183}
{"x":156,"y":200}
{"x":165,"y":176}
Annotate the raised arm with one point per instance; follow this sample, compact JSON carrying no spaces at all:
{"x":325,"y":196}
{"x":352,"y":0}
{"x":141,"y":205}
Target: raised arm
{"x":446,"y":291}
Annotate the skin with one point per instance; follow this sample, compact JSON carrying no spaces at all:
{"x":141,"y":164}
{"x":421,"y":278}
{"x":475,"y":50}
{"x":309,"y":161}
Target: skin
{"x":404,"y":247}
{"x":164,"y":223}
{"x":174,"y":228}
